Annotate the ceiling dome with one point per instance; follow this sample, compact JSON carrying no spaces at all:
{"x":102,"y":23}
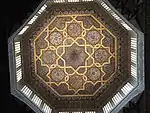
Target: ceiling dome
{"x":76,"y":56}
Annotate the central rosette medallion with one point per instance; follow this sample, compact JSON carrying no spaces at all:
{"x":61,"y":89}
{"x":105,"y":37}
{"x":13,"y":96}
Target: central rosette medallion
{"x":75,"y":58}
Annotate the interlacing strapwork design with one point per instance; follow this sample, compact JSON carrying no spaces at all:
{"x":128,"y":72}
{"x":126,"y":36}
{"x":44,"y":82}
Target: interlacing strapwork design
{"x":75,"y":55}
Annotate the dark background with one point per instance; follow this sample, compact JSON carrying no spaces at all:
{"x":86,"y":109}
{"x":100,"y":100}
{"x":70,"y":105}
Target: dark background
{"x":13,"y":14}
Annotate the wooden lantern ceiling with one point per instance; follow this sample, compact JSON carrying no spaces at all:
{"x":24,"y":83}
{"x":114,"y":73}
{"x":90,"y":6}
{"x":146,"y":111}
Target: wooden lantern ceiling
{"x":75,"y":57}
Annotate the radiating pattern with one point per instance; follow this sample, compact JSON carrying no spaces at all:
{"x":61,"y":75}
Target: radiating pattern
{"x":93,"y":37}
{"x":74,"y":30}
{"x":75,"y":55}
{"x":57,"y":74}
{"x":56,"y":38}
{"x":94,"y":73}
{"x":101,"y":55}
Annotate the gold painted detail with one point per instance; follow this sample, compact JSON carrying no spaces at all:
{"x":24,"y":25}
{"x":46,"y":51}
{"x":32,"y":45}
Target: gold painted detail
{"x":74,"y":54}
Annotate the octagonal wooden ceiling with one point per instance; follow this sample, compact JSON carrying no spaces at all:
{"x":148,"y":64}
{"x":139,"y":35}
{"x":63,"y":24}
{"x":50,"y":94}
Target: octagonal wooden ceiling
{"x":75,"y":57}
{"x":73,"y":54}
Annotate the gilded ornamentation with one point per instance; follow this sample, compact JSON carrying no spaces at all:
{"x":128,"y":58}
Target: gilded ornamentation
{"x":94,"y":74}
{"x":75,"y":50}
{"x":74,"y":30}
{"x":56,"y":38}
{"x":57,"y":74}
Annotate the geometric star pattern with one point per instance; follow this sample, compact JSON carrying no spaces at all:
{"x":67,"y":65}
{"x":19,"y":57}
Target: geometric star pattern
{"x":75,"y":55}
